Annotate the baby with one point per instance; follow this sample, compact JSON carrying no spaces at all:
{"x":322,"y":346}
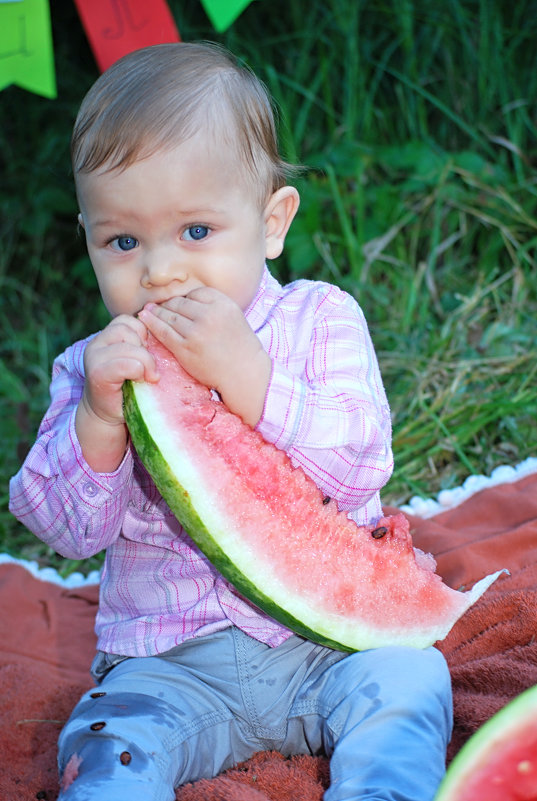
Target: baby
{"x":183,"y":197}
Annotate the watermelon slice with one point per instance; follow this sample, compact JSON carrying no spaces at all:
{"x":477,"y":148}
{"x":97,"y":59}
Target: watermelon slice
{"x":267,"y":528}
{"x":499,"y":762}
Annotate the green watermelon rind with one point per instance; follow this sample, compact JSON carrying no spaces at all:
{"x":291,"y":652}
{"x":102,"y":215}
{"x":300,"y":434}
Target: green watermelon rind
{"x":482,"y":745}
{"x":178,"y":499}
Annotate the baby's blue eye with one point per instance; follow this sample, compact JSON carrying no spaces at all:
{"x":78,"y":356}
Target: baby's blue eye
{"x":196,"y":232}
{"x":126,"y":242}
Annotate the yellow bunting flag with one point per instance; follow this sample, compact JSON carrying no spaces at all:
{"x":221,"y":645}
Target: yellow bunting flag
{"x":117,"y":27}
{"x":223,"y":13}
{"x":26,"y":50}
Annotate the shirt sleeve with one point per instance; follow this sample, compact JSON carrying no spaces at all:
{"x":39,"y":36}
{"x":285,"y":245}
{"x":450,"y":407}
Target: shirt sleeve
{"x":55,"y":494}
{"x":331,"y":414}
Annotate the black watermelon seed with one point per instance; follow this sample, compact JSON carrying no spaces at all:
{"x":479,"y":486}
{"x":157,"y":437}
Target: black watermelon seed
{"x":379,"y":532}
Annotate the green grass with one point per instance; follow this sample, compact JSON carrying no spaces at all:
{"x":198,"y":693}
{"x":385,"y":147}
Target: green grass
{"x":416,"y":123}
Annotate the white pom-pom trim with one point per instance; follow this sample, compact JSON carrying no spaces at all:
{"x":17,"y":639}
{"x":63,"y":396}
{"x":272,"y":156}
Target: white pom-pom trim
{"x":52,"y":575}
{"x":449,"y":498}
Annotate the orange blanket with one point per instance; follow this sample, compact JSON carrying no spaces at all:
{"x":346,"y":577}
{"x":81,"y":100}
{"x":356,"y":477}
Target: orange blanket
{"x":46,"y":632}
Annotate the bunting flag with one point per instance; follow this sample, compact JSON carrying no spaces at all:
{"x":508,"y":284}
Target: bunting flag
{"x":113,"y":27}
{"x":117,"y":27}
{"x":26,"y":50}
{"x":223,"y":13}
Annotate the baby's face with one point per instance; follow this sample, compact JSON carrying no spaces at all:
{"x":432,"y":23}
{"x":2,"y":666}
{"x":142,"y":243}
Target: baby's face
{"x":170,"y":223}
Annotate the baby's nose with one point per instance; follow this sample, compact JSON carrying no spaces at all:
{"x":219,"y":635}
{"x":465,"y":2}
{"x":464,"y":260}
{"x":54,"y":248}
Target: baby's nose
{"x":162,"y":268}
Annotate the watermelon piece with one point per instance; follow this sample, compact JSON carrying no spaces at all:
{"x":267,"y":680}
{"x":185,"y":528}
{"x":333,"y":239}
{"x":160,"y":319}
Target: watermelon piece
{"x":499,"y":762}
{"x":267,"y":528}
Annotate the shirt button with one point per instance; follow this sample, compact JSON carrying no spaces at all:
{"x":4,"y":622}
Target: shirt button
{"x":90,"y":490}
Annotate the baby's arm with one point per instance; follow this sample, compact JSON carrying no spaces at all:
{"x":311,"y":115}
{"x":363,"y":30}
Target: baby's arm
{"x":74,"y":507}
{"x":325,"y":404}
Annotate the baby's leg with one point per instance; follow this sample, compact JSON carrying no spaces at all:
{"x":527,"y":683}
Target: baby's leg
{"x":153,"y":723}
{"x":385,"y":719}
{"x":113,"y":747}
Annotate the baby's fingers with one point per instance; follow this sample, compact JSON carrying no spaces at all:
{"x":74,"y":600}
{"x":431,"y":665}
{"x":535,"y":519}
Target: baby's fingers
{"x":171,"y":328}
{"x":125,"y":329}
{"x":115,"y":362}
{"x":136,"y":364}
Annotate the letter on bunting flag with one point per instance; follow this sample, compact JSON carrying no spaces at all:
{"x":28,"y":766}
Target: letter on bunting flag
{"x":117,"y":27}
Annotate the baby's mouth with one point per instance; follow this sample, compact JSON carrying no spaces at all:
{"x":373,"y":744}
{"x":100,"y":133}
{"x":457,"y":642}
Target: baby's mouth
{"x":160,"y":302}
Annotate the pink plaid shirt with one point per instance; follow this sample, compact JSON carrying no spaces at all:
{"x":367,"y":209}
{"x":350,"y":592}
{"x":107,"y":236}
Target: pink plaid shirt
{"x":325,"y":406}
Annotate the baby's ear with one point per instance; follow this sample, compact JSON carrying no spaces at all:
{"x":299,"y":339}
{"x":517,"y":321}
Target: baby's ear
{"x":80,"y":221}
{"x":279,"y":213}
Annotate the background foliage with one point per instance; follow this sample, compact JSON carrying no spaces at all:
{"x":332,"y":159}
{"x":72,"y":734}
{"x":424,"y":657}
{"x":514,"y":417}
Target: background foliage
{"x":417,"y":124}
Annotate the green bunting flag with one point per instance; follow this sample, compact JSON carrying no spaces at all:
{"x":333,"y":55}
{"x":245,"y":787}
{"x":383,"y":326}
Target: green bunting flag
{"x":26,"y":50}
{"x":223,"y":13}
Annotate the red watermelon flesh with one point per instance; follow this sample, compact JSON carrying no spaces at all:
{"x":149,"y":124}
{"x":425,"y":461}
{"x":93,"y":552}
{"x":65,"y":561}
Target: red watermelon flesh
{"x":264,"y":525}
{"x":499,"y":762}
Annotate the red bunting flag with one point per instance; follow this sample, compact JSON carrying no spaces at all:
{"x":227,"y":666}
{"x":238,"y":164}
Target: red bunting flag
{"x":117,"y":27}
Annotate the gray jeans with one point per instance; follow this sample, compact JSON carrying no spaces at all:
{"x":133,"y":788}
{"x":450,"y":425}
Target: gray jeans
{"x":154,"y":723}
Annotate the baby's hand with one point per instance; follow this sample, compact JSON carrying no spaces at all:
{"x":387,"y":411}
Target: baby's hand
{"x":206,"y":331}
{"x":209,"y":335}
{"x":117,"y":353}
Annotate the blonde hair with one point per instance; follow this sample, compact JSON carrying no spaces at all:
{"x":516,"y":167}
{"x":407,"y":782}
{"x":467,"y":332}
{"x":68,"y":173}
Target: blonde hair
{"x":160,"y":96}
